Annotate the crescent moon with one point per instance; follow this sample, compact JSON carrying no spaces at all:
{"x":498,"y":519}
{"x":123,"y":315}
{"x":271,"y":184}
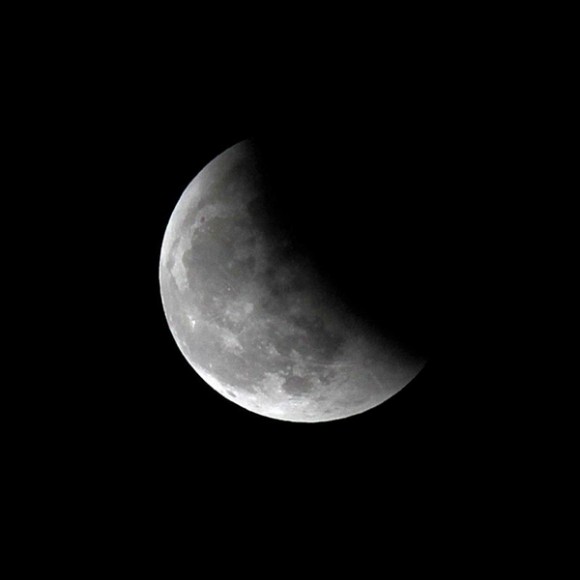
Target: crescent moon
{"x":253,"y":316}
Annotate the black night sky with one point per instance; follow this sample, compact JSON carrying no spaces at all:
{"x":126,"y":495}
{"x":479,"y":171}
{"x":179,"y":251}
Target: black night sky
{"x":391,"y":187}
{"x":398,"y":161}
{"x":383,"y":192}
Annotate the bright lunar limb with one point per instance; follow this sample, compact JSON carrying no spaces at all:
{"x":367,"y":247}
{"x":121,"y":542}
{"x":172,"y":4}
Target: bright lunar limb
{"x":254,"y":318}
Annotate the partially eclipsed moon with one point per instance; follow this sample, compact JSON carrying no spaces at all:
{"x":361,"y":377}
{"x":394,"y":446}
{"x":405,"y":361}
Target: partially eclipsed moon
{"x":252,"y":315}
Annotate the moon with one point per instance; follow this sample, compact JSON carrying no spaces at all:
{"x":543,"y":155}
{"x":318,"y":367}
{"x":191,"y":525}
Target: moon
{"x":252,"y":313}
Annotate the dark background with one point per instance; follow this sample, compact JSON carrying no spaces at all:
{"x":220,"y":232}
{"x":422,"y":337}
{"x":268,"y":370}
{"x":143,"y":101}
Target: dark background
{"x":394,"y":200}
{"x":401,"y":168}
{"x":395,"y":179}
{"x":124,"y":448}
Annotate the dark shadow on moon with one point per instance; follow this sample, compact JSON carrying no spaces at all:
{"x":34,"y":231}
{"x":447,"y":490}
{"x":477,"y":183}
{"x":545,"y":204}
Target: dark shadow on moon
{"x":368,"y":222}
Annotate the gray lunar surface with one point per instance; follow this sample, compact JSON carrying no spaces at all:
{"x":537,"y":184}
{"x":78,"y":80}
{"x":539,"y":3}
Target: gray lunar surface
{"x":252,"y":316}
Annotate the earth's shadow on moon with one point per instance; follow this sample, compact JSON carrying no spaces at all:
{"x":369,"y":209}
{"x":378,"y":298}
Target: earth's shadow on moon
{"x":368,"y":221}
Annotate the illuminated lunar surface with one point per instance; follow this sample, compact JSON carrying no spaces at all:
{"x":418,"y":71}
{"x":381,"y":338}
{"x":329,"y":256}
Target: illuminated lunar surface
{"x":253,"y":317}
